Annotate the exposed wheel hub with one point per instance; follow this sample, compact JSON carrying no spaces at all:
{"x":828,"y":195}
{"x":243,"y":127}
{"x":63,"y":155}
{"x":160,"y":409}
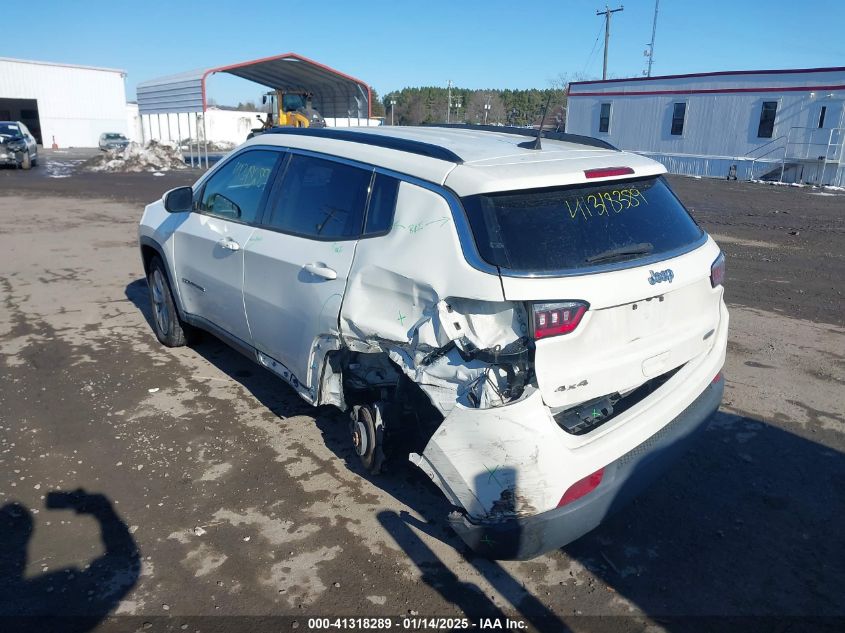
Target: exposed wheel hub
{"x":359,"y":438}
{"x":367,"y":430}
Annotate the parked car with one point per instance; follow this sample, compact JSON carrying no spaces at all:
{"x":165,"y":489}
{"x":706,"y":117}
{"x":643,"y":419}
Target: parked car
{"x":540,"y":331}
{"x":17,"y":145}
{"x":113,"y":140}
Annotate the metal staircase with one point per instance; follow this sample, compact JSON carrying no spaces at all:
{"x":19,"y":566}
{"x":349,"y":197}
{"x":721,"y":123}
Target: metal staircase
{"x":807,"y":155}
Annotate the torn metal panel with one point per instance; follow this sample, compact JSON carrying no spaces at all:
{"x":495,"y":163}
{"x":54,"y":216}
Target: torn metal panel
{"x":411,"y":307}
{"x":498,"y":463}
{"x":397,"y":280}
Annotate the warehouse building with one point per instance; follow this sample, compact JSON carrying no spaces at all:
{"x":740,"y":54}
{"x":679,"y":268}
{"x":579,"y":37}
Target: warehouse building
{"x":786,"y":125}
{"x":62,"y":103}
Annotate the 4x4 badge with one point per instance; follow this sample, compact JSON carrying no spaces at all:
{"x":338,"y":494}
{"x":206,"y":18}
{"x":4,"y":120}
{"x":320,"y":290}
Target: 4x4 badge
{"x":662,"y":275}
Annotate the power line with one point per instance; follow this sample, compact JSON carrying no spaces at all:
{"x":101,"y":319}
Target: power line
{"x":590,"y":57}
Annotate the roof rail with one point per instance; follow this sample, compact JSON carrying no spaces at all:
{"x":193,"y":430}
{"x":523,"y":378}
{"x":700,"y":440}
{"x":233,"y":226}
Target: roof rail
{"x":527,"y":131}
{"x":378,"y":140}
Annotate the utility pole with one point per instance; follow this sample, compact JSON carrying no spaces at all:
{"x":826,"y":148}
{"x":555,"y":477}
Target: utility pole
{"x":486,"y":109}
{"x":651,"y":44}
{"x":392,"y":106}
{"x":449,"y":103}
{"x":607,"y":13}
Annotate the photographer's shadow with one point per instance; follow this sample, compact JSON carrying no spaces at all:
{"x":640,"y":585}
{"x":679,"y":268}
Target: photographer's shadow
{"x":71,"y":599}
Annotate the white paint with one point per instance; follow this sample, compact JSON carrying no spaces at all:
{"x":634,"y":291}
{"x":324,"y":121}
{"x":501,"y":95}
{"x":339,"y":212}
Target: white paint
{"x":477,"y":454}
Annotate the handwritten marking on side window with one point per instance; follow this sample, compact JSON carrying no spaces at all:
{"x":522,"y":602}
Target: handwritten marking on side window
{"x":246,"y":175}
{"x":603,"y":202}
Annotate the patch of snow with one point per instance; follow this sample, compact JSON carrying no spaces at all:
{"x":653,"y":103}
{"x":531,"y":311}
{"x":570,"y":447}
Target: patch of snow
{"x":778,"y":184}
{"x":153,"y":156}
{"x":61,"y":169}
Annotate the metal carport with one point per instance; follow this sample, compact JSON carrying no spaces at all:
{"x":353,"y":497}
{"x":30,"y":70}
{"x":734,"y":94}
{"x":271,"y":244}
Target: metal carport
{"x":336,"y":95}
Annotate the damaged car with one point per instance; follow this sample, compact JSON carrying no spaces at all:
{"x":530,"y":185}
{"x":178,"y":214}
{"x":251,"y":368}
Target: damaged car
{"x":18,"y":146}
{"x":537,"y":324}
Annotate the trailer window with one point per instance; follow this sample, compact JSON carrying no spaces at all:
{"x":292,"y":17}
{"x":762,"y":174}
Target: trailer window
{"x":767,"y":119}
{"x":581,"y":226}
{"x":678,"y":114}
{"x":604,"y":118}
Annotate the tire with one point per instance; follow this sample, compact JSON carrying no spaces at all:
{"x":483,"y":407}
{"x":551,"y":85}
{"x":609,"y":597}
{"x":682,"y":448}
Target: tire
{"x":26,"y":162}
{"x":167,"y":325}
{"x":34,"y":161}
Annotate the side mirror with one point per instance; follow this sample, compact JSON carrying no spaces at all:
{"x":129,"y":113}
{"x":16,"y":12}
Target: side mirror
{"x":179,"y":200}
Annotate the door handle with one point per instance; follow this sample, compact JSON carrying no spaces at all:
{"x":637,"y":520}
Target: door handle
{"x":229,"y":244}
{"x":320,"y":270}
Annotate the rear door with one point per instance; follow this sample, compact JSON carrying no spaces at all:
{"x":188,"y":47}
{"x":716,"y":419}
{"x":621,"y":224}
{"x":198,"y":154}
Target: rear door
{"x":297,"y":262}
{"x":210,"y":243}
{"x":616,"y":275}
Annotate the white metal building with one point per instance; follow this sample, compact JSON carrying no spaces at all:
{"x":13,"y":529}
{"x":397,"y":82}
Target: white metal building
{"x":71,"y":105}
{"x":776,"y":124}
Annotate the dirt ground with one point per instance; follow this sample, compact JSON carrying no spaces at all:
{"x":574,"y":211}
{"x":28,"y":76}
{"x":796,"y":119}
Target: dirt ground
{"x":217,"y":497}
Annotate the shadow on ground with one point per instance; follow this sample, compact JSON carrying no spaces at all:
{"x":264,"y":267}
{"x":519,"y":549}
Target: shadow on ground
{"x":745,"y":532}
{"x":73,"y":599}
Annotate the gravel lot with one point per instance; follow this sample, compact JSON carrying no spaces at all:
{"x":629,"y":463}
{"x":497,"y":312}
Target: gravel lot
{"x":224,"y":495}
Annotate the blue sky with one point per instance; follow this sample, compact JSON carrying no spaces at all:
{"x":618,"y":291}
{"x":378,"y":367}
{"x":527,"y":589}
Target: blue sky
{"x":490,"y":44}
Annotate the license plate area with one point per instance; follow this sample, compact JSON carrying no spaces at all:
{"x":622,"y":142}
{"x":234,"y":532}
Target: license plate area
{"x":647,"y":317}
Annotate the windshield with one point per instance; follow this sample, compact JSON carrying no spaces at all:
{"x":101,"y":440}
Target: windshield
{"x":582,"y":226}
{"x":115,"y":137}
{"x":293,"y":102}
{"x":10,"y":129}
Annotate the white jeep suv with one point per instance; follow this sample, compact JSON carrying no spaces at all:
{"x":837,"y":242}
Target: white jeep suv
{"x":537,"y":325}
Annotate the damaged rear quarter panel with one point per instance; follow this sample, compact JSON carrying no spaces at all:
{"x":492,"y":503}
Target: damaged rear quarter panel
{"x":398,"y":279}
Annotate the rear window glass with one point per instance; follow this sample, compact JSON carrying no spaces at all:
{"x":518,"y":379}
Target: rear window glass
{"x":560,"y":229}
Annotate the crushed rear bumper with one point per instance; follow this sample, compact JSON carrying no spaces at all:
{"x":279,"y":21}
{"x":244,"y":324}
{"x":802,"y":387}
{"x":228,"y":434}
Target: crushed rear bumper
{"x":526,"y":537}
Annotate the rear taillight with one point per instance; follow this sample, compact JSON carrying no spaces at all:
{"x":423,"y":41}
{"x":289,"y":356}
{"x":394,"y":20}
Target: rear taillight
{"x":717,"y":271}
{"x":581,"y":487}
{"x":553,"y":319}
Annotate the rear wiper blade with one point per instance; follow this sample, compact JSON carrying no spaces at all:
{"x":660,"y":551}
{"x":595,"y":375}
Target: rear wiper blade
{"x":621,"y":252}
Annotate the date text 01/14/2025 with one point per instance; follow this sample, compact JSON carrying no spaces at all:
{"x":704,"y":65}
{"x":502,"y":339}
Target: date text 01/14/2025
{"x":416,"y":623}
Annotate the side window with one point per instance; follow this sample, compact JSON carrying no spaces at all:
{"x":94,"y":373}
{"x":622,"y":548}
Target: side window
{"x":822,"y":112}
{"x":382,"y":205}
{"x":767,"y":119}
{"x":604,"y":118}
{"x":321,"y":198}
{"x":678,"y":113}
{"x":235,"y":191}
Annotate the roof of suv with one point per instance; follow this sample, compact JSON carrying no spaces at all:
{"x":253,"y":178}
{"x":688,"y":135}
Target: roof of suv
{"x":468,"y":159}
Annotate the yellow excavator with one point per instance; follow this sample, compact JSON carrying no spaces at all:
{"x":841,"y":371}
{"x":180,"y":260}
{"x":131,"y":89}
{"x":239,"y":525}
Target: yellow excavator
{"x":288,"y":109}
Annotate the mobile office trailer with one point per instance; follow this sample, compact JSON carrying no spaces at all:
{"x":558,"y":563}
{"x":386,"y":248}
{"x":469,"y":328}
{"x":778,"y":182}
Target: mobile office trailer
{"x":785,"y":125}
